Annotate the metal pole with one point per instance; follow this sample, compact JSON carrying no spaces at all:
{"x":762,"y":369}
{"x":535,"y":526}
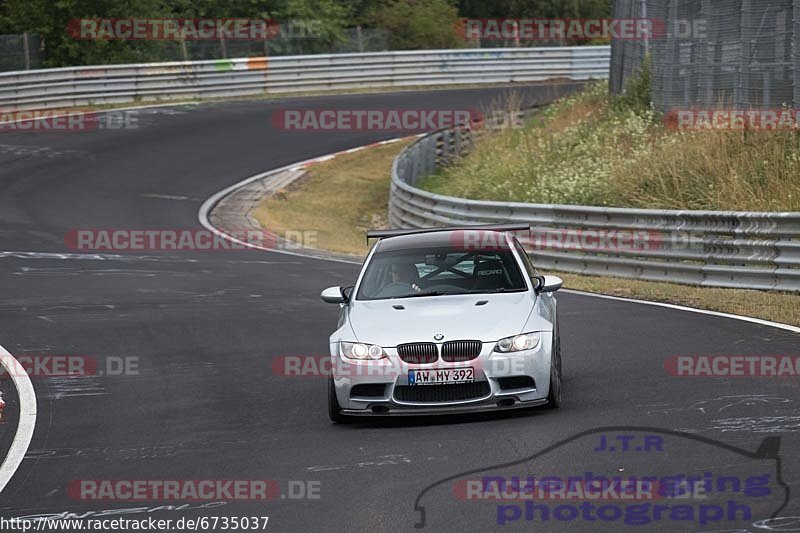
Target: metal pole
{"x":646,"y":37}
{"x":672,"y":67}
{"x":706,"y":50}
{"x":26,"y":47}
{"x":616,"y":72}
{"x":796,"y":53}
{"x":744,"y":60}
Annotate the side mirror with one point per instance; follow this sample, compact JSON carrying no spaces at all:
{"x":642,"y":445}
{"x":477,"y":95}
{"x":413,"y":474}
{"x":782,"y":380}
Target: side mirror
{"x":549,"y":283}
{"x":334,"y":295}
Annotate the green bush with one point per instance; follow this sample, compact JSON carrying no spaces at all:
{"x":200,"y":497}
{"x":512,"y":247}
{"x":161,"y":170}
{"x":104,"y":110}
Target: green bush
{"x":637,"y":94}
{"x":418,"y":24}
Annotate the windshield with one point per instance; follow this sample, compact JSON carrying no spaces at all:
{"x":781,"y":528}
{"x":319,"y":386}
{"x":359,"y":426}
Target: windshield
{"x":435,"y":272}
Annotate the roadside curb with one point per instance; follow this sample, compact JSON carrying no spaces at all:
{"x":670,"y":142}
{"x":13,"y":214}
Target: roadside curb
{"x":235,"y":211}
{"x":232,"y":209}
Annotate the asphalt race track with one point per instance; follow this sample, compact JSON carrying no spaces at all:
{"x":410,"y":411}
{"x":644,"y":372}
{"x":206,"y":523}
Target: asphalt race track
{"x":205,"y":327}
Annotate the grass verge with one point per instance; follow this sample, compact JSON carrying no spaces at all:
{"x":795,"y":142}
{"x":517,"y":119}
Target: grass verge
{"x":592,"y":149}
{"x":320,"y":202}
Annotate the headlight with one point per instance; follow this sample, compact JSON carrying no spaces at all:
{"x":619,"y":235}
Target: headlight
{"x":361,"y":351}
{"x":517,"y":343}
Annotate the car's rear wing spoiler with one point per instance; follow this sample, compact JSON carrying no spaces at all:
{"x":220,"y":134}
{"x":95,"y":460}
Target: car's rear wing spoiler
{"x":383,"y":233}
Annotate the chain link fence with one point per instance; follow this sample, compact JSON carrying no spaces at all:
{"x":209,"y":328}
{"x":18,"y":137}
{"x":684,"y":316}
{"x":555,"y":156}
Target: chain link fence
{"x":30,"y":51}
{"x":714,"y":53}
{"x":26,"y":51}
{"x":355,"y":40}
{"x":20,"y":52}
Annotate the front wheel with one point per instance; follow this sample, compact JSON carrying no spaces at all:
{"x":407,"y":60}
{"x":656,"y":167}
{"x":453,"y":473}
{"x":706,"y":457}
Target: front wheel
{"x":554,"y":395}
{"x":334,"y":409}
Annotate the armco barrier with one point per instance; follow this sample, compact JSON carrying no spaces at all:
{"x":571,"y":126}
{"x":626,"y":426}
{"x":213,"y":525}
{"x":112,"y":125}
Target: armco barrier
{"x":124,"y":84}
{"x":707,"y":248}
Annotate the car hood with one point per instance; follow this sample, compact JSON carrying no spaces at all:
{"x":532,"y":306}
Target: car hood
{"x":454,"y":316}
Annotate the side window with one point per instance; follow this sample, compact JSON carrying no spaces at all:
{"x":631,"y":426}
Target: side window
{"x":532,"y":273}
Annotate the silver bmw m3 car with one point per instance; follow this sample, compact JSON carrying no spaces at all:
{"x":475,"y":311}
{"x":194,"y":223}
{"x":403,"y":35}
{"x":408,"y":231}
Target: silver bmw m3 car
{"x":445,"y":320}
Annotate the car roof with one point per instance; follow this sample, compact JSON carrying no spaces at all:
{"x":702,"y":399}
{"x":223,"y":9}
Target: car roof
{"x":433,"y":239}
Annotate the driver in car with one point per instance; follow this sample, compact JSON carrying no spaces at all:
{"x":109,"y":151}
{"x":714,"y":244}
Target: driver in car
{"x":406,"y":274}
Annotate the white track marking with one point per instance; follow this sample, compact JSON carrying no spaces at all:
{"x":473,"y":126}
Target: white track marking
{"x":21,"y":254}
{"x":758,"y":321}
{"x":27,"y":417}
{"x":164,"y":196}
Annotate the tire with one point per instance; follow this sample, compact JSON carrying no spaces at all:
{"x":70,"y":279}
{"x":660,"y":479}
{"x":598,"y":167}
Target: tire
{"x":334,"y":409}
{"x":554,"y":396}
{"x":558,"y":349}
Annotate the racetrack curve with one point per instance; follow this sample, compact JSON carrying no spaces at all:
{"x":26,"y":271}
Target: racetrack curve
{"x":205,"y":327}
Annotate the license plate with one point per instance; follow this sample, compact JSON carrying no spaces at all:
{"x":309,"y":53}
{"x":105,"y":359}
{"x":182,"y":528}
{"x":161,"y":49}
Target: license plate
{"x":441,"y":376}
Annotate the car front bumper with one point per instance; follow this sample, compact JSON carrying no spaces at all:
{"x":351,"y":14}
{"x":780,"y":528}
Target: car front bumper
{"x":490,"y":371}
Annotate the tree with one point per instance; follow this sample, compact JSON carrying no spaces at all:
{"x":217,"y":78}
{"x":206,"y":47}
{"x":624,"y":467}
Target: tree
{"x":50,"y":19}
{"x":418,"y":24}
{"x":329,"y":18}
{"x":411,"y":24}
{"x":535,"y":8}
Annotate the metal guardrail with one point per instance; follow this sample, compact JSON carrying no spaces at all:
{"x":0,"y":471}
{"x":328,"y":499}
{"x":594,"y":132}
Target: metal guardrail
{"x":122,"y":84}
{"x":706,"y":248}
